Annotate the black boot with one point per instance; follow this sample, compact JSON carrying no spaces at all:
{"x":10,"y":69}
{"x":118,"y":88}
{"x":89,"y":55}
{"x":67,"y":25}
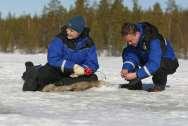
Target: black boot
{"x":28,"y":66}
{"x":30,"y":77}
{"x":156,"y":89}
{"x":135,"y":84}
{"x":159,"y":80}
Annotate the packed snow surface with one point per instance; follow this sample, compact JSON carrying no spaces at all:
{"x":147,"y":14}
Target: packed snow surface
{"x":105,"y":106}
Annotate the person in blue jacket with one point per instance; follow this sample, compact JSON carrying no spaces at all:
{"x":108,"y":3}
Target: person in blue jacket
{"x":71,"y":57}
{"x":147,"y":53}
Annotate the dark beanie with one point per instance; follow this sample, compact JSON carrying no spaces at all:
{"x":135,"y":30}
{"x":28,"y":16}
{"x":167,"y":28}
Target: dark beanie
{"x":77,"y":23}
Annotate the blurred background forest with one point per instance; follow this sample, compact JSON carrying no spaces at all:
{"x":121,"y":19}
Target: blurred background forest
{"x":31,"y":34}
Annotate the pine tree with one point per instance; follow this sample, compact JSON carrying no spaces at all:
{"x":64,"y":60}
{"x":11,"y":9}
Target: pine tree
{"x":103,"y":18}
{"x":137,"y":12}
{"x":32,"y":34}
{"x":118,"y":16}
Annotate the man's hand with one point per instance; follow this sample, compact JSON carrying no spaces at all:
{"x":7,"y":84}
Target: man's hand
{"x":130,"y":76}
{"x":124,"y":72}
{"x":78,"y":70}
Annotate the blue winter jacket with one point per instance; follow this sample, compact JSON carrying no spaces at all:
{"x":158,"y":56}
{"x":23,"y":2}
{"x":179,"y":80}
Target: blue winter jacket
{"x":146,"y":62}
{"x":63,"y":57}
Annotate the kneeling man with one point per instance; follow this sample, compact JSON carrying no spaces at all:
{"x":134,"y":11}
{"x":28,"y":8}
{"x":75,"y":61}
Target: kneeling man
{"x":147,"y":53}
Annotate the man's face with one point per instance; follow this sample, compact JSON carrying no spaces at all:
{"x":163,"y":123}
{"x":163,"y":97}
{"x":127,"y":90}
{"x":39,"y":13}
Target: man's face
{"x":132,"y":39}
{"x":72,"y":34}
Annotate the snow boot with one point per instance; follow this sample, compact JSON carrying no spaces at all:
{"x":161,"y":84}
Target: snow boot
{"x":159,"y":79}
{"x":135,"y":84}
{"x":28,"y":66}
{"x":30,"y":77}
{"x":156,"y":89}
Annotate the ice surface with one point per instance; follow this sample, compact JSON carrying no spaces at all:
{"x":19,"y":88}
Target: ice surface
{"x":105,"y":106}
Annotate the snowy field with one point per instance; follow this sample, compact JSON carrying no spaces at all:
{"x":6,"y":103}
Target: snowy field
{"x":105,"y":106}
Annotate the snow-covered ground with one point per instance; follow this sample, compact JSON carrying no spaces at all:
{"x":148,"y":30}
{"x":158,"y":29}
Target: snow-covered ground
{"x":105,"y":106}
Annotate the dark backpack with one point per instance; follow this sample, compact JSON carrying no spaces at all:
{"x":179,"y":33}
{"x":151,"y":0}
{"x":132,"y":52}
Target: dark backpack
{"x":151,"y":32}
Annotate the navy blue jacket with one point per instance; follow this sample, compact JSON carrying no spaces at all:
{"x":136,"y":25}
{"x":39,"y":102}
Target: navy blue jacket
{"x":60,"y":55}
{"x":146,"y":62}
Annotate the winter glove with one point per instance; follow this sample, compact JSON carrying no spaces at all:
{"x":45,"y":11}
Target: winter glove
{"x":78,"y":70}
{"x":88,"y":71}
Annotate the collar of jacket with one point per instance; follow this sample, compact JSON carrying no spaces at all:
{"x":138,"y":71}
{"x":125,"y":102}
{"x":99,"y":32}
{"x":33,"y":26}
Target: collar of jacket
{"x":141,"y":30}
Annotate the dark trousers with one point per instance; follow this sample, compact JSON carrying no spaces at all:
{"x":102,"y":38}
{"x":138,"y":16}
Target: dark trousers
{"x":167,"y":67}
{"x":39,"y":76}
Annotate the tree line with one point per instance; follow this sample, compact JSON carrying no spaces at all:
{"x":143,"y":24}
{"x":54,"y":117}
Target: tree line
{"x":31,"y":34}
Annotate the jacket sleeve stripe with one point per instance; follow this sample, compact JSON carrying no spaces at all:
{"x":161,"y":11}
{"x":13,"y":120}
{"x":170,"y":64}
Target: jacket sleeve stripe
{"x":165,"y":42}
{"x":130,"y":63}
{"x":63,"y":65}
{"x":147,"y":71}
{"x":85,"y":66}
